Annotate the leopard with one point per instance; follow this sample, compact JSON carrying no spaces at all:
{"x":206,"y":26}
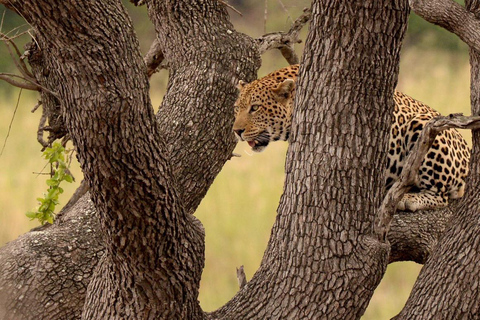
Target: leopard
{"x":263,"y":114}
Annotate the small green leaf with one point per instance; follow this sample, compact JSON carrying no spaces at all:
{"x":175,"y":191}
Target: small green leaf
{"x":31,"y":215}
{"x":51,"y":182}
{"x":53,"y":193}
{"x":49,"y":219}
{"x":44,"y":206}
{"x":56,"y":157}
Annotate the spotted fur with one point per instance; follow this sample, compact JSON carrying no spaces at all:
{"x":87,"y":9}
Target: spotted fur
{"x":263,"y":114}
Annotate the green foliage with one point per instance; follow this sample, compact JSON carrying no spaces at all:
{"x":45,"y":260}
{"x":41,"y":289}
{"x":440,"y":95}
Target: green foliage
{"x":59,"y":172}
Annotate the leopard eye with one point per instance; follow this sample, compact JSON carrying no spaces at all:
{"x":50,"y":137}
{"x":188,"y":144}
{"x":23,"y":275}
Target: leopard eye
{"x":254,"y":107}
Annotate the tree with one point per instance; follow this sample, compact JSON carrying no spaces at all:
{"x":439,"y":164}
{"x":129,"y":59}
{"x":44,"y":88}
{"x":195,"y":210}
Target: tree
{"x":135,"y":250}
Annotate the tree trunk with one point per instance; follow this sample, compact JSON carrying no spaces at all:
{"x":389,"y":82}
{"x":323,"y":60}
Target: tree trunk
{"x":148,"y":173}
{"x":151,"y":243}
{"x":206,"y":59}
{"x":447,"y":287}
{"x":321,"y":261}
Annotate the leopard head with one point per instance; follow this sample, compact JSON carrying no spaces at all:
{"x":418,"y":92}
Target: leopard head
{"x":263,"y":110}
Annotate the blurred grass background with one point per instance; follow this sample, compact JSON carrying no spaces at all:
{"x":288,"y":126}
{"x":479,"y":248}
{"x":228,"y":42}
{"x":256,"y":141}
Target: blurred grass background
{"x":240,"y":207}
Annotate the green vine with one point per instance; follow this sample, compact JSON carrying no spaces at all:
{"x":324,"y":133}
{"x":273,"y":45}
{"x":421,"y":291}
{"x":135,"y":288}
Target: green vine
{"x":59,"y":173}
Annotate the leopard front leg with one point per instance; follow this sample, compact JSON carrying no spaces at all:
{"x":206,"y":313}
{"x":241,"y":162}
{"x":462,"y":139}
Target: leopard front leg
{"x":424,"y":200}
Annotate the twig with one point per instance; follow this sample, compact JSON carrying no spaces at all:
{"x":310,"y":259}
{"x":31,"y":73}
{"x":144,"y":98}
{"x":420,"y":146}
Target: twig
{"x":18,"y":34}
{"x":11,"y":122}
{"x":20,"y":64}
{"x":289,"y":17}
{"x":41,"y":126}
{"x":241,"y":277}
{"x":39,"y":103}
{"x":3,"y":19}
{"x":29,"y":86}
{"x":265,"y":17}
{"x":413,"y":163}
{"x":44,"y":173}
{"x":230,"y":6}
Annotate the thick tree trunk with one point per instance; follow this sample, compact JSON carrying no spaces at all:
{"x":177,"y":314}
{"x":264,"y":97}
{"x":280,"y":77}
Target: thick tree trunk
{"x":146,"y":178}
{"x":146,"y":269}
{"x":154,"y":250}
{"x":321,"y":262}
{"x":202,"y":49}
{"x":448,"y":287}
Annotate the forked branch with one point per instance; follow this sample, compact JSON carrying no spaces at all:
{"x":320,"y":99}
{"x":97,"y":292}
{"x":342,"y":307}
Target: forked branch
{"x":284,"y":41}
{"x":414,"y":160}
{"x":20,"y":63}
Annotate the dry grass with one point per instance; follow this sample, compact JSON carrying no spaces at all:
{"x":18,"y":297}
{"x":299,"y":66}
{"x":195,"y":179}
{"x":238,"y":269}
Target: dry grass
{"x":240,"y":207}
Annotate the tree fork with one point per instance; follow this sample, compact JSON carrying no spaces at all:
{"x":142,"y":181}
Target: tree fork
{"x":244,"y":68}
{"x":78,"y":231}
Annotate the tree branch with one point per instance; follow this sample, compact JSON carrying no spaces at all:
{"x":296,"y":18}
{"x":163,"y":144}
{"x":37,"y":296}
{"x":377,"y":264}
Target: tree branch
{"x":451,"y":16}
{"x":20,"y":64}
{"x":413,"y":235}
{"x":154,"y":57}
{"x":414,"y":160}
{"x":7,"y":77}
{"x":284,"y":41}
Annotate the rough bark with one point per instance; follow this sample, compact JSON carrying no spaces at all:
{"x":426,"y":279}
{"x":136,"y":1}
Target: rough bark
{"x":414,"y":235}
{"x":125,"y":162}
{"x":321,"y":261}
{"x":447,"y":286}
{"x":125,"y":167}
{"x":314,"y":239}
{"x":196,"y":119}
{"x":45,"y":274}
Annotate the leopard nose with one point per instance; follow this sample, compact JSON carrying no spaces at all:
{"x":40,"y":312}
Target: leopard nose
{"x":239,"y":132}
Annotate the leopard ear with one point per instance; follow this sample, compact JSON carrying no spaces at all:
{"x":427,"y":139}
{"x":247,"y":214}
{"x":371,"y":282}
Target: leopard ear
{"x":241,"y":84}
{"x":284,"y":90}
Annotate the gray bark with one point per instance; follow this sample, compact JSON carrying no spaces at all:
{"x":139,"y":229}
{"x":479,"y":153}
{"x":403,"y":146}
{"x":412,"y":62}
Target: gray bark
{"x":321,"y":262}
{"x":123,"y":153}
{"x":447,"y":286}
{"x":148,"y":173}
{"x":45,"y":273}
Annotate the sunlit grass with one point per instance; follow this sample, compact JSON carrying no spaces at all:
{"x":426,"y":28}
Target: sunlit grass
{"x":238,"y":213}
{"x":240,"y":207}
